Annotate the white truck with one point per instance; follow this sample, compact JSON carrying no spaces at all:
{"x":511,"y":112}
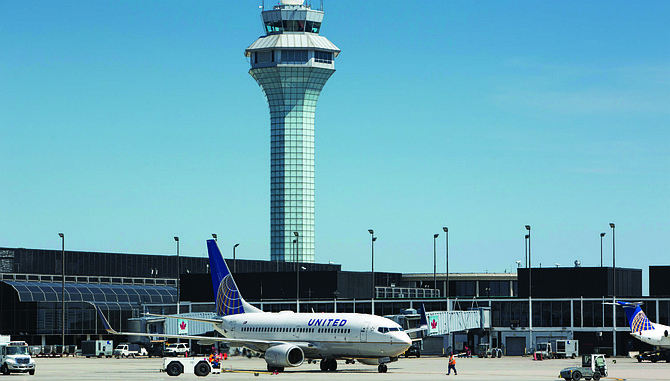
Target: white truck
{"x":15,"y":357}
{"x":193,"y":365}
{"x":176,"y":349}
{"x":129,"y":350}
{"x":558,"y":349}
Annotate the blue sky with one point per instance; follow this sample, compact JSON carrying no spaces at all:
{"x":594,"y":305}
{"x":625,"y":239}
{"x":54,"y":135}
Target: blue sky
{"x":125,"y":123}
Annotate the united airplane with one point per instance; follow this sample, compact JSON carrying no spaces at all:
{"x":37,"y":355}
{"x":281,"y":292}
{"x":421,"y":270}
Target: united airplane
{"x":287,"y":338}
{"x":643,"y":329}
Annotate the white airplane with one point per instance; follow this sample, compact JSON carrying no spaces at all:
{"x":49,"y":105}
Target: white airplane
{"x":288,"y":338}
{"x":643,"y":329}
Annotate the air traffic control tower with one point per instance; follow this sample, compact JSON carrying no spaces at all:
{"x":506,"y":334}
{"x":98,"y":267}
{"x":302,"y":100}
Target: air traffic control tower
{"x":292,"y":63}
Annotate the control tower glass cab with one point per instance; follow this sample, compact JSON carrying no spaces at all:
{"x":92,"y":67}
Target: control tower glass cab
{"x":291,"y":64}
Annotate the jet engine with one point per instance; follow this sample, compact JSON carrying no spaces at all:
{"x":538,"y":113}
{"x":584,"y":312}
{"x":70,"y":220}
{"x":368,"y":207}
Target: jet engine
{"x":284,"y":355}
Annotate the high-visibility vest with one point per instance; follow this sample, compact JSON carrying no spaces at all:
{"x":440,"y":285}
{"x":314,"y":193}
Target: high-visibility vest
{"x":452,"y":360}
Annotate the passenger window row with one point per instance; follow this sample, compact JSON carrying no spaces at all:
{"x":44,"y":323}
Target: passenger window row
{"x":295,"y":329}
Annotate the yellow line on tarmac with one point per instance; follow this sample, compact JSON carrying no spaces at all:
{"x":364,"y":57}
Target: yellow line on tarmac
{"x":230,"y":370}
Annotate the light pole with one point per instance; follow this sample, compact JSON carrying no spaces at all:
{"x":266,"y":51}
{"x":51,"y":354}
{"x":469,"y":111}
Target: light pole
{"x":298,"y":286}
{"x":297,"y":246}
{"x":601,"y":249}
{"x":62,"y":236}
{"x":446,"y":283}
{"x":530,"y":287}
{"x":525,"y":248}
{"x":372,"y":268}
{"x":530,"y":265}
{"x":176,"y":239}
{"x":613,"y":292}
{"x":297,"y":273}
{"x":235,"y":259}
{"x":435,"y":262}
{"x":613,"y":263}
{"x":215,"y":237}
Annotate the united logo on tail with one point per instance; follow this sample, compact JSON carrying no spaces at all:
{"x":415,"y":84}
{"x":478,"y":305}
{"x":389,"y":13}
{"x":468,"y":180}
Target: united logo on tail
{"x":637,"y":320}
{"x":228,"y":299}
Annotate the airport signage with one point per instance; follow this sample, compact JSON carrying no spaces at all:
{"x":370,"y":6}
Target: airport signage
{"x":182,"y":327}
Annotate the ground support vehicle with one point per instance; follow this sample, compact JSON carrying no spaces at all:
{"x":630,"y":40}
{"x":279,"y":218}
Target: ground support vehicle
{"x":543,"y":351}
{"x":484,"y":350}
{"x":593,"y":367}
{"x":198,"y":366}
{"x":176,"y":349}
{"x":566,"y":348}
{"x":97,"y":348}
{"x":15,"y":358}
{"x":129,"y":350}
{"x":157,"y":349}
{"x":654,"y":356}
{"x":414,"y":350}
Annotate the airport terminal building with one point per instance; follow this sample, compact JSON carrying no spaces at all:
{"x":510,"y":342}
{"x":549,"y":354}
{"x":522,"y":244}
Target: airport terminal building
{"x":563,"y":303}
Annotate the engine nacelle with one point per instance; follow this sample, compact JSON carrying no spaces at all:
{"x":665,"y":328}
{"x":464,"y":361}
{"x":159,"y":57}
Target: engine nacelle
{"x":284,"y":355}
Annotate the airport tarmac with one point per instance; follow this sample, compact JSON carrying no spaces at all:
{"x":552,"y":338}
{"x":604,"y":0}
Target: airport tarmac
{"x":424,"y":368}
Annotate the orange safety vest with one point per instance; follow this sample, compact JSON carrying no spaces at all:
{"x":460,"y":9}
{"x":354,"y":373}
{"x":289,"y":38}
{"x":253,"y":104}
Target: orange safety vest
{"x":452,"y":360}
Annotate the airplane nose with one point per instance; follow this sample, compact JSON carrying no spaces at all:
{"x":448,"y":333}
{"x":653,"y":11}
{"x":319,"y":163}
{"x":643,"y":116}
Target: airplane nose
{"x":406,"y":339}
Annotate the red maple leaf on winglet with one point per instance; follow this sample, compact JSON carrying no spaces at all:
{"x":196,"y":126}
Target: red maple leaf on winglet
{"x":433,"y":324}
{"x":182,"y":325}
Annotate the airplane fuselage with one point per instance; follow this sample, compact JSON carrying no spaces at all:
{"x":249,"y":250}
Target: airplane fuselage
{"x":659,"y":336}
{"x":328,"y":335}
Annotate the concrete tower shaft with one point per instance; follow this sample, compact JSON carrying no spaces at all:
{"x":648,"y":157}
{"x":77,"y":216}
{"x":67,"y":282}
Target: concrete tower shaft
{"x":292,"y":63}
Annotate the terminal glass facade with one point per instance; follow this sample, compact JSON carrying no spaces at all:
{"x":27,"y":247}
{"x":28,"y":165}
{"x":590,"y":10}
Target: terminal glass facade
{"x":35,"y":308}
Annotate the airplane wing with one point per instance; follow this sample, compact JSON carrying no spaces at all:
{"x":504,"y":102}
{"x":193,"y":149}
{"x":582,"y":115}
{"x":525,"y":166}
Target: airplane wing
{"x":203,"y":320}
{"x":257,"y":345}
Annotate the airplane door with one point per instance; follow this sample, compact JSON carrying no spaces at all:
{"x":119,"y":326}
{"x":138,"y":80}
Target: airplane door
{"x":232,"y":328}
{"x":364,"y":332}
{"x":297,"y":332}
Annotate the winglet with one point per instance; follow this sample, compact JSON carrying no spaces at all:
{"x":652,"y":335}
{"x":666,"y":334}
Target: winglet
{"x":424,"y":318}
{"x":105,"y":323}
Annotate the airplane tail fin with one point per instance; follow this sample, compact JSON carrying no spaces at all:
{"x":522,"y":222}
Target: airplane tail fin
{"x":105,"y":323}
{"x":228,"y":298}
{"x":637,"y":320}
{"x":424,"y":319}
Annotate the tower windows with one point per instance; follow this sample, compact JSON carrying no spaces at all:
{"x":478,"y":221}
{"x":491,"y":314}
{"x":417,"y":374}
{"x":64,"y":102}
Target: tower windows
{"x":294,"y":56}
{"x":280,"y":26}
{"x":265,"y":56}
{"x":323,"y":57}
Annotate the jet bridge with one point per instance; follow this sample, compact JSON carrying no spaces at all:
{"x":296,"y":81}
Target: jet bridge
{"x":446,"y":322}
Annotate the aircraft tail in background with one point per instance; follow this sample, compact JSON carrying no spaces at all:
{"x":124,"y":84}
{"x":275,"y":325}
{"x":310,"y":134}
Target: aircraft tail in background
{"x":228,"y":298}
{"x":424,"y":318}
{"x":637,"y":320}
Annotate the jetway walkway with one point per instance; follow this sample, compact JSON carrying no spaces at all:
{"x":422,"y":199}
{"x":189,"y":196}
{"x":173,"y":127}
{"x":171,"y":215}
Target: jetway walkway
{"x":445,"y":322}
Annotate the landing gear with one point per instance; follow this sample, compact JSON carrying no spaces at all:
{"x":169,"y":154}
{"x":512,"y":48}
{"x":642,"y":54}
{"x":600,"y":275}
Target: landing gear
{"x":382,"y":368}
{"x":328,"y":365}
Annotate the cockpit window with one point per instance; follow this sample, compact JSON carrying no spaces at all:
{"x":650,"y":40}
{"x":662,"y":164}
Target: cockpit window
{"x":389,"y":329}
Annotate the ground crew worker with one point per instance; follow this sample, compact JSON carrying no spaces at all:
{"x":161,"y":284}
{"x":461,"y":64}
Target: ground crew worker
{"x":452,"y":364}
